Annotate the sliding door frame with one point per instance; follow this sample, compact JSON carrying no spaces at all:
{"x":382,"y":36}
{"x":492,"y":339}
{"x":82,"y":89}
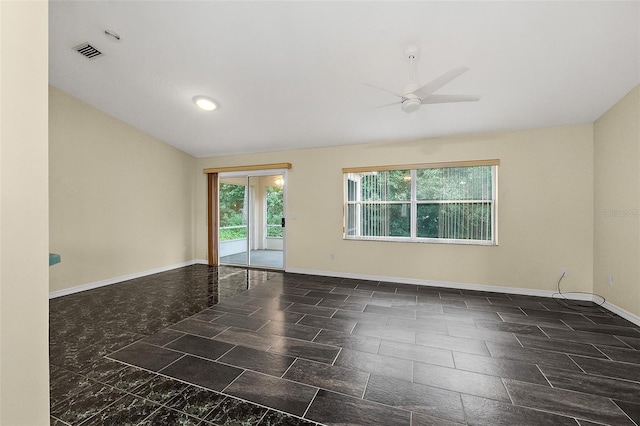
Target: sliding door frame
{"x":213,"y":207}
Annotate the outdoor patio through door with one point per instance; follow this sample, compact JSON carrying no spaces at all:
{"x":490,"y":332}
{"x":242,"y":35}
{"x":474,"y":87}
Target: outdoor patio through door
{"x":251,"y":219}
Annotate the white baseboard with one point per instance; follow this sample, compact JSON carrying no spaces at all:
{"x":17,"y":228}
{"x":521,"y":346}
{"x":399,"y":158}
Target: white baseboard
{"x":623,"y":313}
{"x":115,"y":280}
{"x":469,"y":286}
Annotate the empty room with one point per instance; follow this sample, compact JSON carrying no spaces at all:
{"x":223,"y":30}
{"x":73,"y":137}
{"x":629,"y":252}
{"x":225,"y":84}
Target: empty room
{"x":320,"y":213}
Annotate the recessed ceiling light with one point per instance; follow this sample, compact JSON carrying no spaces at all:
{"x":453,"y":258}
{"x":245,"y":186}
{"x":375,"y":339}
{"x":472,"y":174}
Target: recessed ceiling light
{"x":205,"y":103}
{"x":112,"y":35}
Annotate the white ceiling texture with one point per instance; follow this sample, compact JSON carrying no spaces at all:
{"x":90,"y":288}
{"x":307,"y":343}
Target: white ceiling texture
{"x":289,"y":74}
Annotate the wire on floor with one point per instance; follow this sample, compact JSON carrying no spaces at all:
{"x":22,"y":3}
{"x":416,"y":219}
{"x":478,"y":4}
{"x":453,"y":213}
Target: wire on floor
{"x":561,"y":298}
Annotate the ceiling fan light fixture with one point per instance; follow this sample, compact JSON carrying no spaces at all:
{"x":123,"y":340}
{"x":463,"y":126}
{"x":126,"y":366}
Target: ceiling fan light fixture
{"x":205,"y":103}
{"x":410,"y":105}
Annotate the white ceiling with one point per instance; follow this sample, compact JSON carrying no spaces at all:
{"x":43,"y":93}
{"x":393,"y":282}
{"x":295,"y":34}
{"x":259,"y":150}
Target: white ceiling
{"x":289,"y":74}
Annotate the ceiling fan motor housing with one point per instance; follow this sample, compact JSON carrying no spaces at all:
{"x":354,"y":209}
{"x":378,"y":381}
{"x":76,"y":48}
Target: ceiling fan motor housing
{"x":411,"y":105}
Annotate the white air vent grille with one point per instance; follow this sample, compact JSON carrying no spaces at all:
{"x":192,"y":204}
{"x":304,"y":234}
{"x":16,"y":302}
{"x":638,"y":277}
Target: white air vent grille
{"x":87,"y":50}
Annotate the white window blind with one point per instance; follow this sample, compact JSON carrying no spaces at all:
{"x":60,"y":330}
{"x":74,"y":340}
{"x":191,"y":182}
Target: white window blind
{"x":452,"y":202}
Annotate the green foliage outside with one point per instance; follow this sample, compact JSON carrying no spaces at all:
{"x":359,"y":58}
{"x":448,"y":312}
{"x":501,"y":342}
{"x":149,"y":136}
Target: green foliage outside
{"x":232,"y":212}
{"x":275,"y":211}
{"x":457,"y":220}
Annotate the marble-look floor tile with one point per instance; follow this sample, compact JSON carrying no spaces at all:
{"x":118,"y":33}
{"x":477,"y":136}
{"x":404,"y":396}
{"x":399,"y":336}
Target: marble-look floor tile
{"x":569,"y":403}
{"x":129,"y":378}
{"x":160,"y":389}
{"x":256,"y":360}
{"x":329,"y":408}
{"x":65,"y":384}
{"x":232,"y":411}
{"x":377,"y":364}
{"x":80,"y":407}
{"x":487,"y":412}
{"x":126,"y":410}
{"x":196,"y":401}
{"x":272,"y":392}
{"x":333,"y":378}
{"x":208,"y":374}
{"x":415,"y":397}
{"x":276,"y":418}
{"x":168,"y":417}
{"x":460,"y":381}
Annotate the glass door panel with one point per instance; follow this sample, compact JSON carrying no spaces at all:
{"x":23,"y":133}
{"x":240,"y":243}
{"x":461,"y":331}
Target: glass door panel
{"x":251,"y":211}
{"x":233,"y":205}
{"x":266,"y":231}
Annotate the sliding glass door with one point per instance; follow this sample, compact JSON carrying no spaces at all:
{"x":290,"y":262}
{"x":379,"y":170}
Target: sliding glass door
{"x":251,"y":220}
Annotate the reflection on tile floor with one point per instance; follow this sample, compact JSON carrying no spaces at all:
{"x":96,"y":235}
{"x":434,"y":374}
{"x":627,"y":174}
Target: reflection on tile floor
{"x":229,"y":346}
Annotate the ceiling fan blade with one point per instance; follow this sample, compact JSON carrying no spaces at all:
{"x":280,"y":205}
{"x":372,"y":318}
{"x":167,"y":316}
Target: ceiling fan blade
{"x":386,"y":105}
{"x":434,"y":85}
{"x":441,"y":99}
{"x":382,"y":88}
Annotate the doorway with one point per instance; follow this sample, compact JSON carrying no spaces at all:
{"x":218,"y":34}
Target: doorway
{"x":251,"y":225}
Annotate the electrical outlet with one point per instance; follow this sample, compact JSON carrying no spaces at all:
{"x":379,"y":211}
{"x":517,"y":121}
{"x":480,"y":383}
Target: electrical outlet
{"x":564,"y":272}
{"x":610,"y":280}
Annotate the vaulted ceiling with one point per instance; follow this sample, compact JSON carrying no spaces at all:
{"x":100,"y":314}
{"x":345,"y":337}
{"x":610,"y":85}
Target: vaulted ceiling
{"x":289,"y":74}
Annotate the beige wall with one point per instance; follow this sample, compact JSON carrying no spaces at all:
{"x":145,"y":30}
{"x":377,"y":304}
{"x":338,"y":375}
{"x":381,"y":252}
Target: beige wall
{"x":24,"y":271}
{"x":545,"y":210}
{"x":121,"y":201}
{"x":617,"y":203}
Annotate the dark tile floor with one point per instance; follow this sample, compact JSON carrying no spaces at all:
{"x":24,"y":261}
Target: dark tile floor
{"x":229,"y":346}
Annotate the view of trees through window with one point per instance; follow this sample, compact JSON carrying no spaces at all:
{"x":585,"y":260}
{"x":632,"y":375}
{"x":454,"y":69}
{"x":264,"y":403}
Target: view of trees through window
{"x":275,"y":211}
{"x":446,"y":203}
{"x":233,"y":217}
{"x":233,"y":211}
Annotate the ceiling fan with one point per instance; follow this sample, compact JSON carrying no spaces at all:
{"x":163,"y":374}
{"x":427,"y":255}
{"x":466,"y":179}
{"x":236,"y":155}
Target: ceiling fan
{"x":413,"y":95}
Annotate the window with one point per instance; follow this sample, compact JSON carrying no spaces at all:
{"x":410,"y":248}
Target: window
{"x":443,"y":202}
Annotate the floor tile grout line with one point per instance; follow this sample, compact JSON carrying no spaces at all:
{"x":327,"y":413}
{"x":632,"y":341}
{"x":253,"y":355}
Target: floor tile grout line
{"x":310,"y":403}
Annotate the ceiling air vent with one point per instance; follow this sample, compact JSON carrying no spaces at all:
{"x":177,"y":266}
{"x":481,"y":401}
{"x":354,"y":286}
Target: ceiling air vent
{"x":87,"y":50}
